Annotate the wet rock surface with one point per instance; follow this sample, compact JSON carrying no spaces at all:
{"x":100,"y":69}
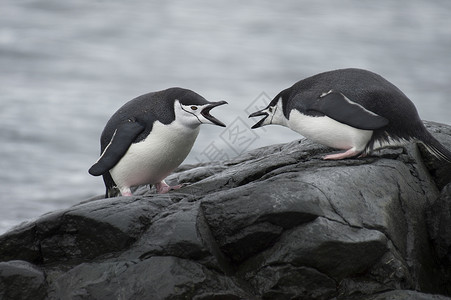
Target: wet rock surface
{"x":275,"y":223}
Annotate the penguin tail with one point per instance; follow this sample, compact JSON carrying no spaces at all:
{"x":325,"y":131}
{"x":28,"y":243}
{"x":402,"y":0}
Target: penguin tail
{"x":437,"y":149}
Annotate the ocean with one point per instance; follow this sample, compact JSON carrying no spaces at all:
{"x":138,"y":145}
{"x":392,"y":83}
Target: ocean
{"x":67,"y":66}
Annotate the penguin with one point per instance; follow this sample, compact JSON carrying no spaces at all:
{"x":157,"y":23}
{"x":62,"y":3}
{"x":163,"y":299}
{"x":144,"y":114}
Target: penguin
{"x":350,"y":109}
{"x":150,"y":136}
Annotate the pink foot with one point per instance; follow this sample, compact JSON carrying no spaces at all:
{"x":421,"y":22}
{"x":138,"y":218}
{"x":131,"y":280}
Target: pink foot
{"x":126,"y":191}
{"x":350,"y":153}
{"x":162,"y":187}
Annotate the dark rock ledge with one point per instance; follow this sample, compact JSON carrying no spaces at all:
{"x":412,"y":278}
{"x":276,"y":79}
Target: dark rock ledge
{"x":275,"y":223}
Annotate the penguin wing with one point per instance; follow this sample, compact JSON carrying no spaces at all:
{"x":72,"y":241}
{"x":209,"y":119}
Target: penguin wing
{"x":122,"y":138}
{"x":338,"y":107}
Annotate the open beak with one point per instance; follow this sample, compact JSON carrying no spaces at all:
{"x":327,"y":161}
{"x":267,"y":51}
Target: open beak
{"x":206,"y":113}
{"x":257,"y":114}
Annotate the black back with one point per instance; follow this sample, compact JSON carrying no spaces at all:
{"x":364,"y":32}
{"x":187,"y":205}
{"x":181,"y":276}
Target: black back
{"x":133,"y":122}
{"x":368,"y":89}
{"x":148,"y":108}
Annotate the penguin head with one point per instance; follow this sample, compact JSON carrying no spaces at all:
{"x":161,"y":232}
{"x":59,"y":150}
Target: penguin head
{"x":192,"y":110}
{"x":273,"y":113}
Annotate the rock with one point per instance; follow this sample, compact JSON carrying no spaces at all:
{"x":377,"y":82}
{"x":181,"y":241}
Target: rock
{"x":21,"y":280}
{"x":158,"y":277}
{"x":403,"y":295}
{"x":439,"y":217}
{"x":439,"y":171}
{"x":84,"y":231}
{"x":274,"y":223}
{"x":439,"y":221}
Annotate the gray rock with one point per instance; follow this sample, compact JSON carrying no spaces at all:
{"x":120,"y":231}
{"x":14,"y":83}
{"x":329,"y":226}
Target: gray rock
{"x":274,"y":223}
{"x":440,"y":172}
{"x":331,"y":248}
{"x":158,"y":277}
{"x":84,"y":231}
{"x":439,"y":217}
{"x":21,"y":280}
{"x":439,"y":221}
{"x":403,"y":295}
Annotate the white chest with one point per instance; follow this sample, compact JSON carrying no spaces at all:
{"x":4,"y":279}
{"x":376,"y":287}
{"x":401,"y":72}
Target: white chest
{"x":329,"y":132}
{"x":154,"y":158}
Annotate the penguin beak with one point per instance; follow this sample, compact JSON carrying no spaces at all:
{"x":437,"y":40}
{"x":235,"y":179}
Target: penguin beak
{"x":206,"y":113}
{"x":257,"y":114}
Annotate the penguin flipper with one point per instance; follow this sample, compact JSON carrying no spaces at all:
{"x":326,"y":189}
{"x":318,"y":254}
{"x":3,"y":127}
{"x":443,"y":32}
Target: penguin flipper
{"x":337,"y":106}
{"x":122,"y":138}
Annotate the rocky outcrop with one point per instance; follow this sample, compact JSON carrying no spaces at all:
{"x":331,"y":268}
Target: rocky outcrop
{"x":275,"y":223}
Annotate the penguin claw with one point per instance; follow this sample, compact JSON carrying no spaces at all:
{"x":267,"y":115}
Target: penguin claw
{"x":349,"y":153}
{"x":162,"y":187}
{"x":126,"y":192}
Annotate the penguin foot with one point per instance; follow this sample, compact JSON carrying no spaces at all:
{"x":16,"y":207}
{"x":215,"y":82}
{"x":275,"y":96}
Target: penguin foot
{"x":350,"y":153}
{"x":126,"y":192}
{"x":162,"y":187}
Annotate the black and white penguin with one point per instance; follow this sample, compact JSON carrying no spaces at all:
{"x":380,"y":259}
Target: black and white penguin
{"x":350,"y":109}
{"x":150,"y":136}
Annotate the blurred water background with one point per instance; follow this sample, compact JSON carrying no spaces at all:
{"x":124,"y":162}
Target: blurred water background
{"x":66,"y":66}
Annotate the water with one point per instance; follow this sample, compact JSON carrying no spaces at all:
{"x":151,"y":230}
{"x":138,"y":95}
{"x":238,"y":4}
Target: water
{"x":66,"y":66}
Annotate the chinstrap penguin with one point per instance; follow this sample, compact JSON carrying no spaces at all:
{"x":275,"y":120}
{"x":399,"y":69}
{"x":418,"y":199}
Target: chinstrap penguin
{"x":350,"y":109}
{"x":150,"y":136}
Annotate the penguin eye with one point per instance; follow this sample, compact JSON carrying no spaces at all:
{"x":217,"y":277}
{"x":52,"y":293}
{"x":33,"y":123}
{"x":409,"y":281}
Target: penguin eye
{"x":270,"y":109}
{"x":193,"y":107}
